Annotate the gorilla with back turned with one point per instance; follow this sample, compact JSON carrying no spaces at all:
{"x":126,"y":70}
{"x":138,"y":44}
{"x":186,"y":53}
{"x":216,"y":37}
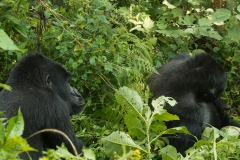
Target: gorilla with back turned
{"x":40,"y":87}
{"x":196,"y":84}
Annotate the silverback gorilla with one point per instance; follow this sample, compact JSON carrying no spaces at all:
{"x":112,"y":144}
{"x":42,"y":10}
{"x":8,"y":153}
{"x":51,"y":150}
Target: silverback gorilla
{"x":196,"y":84}
{"x":40,"y":87}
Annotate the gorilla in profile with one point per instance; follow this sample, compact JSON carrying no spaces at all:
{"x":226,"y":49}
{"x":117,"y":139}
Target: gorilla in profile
{"x":196,"y":83}
{"x":40,"y":87}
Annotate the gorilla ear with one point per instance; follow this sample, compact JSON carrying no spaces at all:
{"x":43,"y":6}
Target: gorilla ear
{"x":48,"y":81}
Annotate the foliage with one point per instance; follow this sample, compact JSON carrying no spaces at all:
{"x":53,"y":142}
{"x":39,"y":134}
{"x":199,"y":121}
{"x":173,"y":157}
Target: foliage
{"x":110,"y":44}
{"x":144,"y":125}
{"x":11,"y":142}
{"x":216,"y":144}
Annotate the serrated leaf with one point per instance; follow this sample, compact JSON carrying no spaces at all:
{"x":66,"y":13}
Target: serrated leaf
{"x":115,"y":141}
{"x":5,"y":42}
{"x":130,"y":100}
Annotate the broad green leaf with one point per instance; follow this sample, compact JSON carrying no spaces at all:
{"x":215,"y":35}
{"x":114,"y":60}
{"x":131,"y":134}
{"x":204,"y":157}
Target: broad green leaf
{"x":89,"y":154}
{"x":238,"y":16}
{"x":170,"y":153}
{"x":208,"y":32}
{"x":115,"y":141}
{"x":5,"y":42}
{"x":205,"y":22}
{"x":233,"y":33}
{"x":130,"y":100}
{"x":163,"y":115}
{"x":221,"y":15}
{"x":15,"y":126}
{"x":134,"y":125}
{"x":187,"y":20}
{"x":238,"y":8}
{"x":22,"y":30}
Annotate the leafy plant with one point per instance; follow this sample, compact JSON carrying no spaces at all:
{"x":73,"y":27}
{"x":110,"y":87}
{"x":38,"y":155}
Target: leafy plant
{"x":11,"y":142}
{"x":144,"y":126}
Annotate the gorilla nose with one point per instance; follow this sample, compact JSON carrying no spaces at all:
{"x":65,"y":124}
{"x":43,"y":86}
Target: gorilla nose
{"x":75,"y":92}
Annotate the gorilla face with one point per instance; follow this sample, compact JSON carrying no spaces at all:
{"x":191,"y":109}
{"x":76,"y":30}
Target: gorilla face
{"x":41,"y":88}
{"x":77,"y":102}
{"x":68,"y":93}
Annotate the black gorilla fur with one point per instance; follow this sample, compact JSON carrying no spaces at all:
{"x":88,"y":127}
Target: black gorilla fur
{"x":40,"y":87}
{"x":196,"y":84}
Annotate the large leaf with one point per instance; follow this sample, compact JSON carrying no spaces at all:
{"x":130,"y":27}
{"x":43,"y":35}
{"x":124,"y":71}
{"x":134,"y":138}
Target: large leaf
{"x":130,"y":100}
{"x":115,"y":141}
{"x":221,"y":15}
{"x":5,"y":42}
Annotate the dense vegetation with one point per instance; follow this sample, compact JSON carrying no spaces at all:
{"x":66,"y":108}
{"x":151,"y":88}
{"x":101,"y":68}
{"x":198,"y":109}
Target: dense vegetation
{"x":111,"y":48}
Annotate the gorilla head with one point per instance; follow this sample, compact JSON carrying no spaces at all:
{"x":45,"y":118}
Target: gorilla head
{"x":40,"y":87}
{"x":199,"y":74}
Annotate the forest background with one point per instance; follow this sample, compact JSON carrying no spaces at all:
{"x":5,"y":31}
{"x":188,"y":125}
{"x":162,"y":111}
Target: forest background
{"x":111,"y":47}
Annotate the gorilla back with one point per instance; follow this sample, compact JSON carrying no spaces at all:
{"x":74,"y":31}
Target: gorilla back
{"x":40,"y":87}
{"x":196,"y":84}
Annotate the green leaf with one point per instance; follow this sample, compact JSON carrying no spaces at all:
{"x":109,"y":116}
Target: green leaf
{"x":175,"y":130}
{"x":5,"y":42}
{"x":15,"y":126}
{"x":89,"y":154}
{"x":238,"y":8}
{"x":170,"y":153}
{"x":233,"y":33}
{"x":108,"y":67}
{"x":205,"y":22}
{"x":93,"y":61}
{"x":205,"y":31}
{"x":130,"y":100}
{"x":134,"y":125}
{"x":236,"y":56}
{"x":115,"y":141}
{"x":221,"y":15}
{"x":238,"y":16}
{"x":187,"y":20}
{"x":7,"y":87}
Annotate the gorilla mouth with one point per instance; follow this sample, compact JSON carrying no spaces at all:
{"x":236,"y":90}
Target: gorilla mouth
{"x":82,"y":103}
